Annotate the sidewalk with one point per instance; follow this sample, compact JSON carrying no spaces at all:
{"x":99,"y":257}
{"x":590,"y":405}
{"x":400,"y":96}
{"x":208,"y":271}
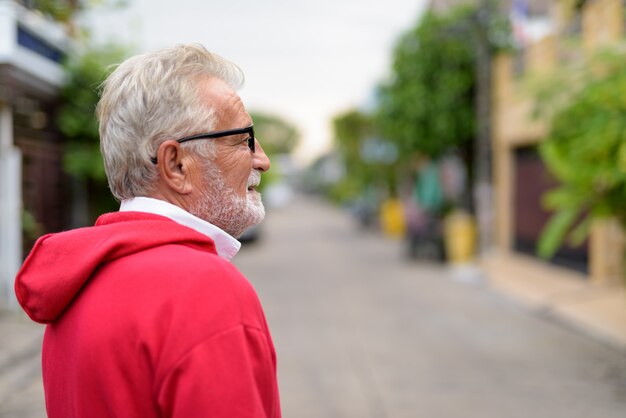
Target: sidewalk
{"x":21,"y":390}
{"x":597,"y":310}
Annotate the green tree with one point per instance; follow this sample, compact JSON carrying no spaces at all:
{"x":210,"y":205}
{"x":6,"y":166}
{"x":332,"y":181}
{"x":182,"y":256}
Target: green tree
{"x":370,"y":161}
{"x":431,"y":104}
{"x":277,"y":135}
{"x":349,"y":131}
{"x":586,"y":152}
{"x":428,"y":106}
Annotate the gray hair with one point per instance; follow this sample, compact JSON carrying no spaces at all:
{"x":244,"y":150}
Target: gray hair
{"x":148,"y":99}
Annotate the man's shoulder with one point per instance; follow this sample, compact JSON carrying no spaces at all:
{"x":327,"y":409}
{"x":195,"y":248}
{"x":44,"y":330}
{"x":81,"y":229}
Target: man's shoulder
{"x":184,"y":290}
{"x":182,"y":271}
{"x":179,"y":263}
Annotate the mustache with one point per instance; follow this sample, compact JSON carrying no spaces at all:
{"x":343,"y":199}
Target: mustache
{"x":254,"y":179}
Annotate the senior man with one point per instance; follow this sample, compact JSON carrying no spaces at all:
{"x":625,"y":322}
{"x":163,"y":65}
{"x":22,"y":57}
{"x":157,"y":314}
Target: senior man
{"x":146,"y":315}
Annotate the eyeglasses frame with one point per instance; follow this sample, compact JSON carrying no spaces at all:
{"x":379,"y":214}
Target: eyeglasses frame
{"x":220,"y":134}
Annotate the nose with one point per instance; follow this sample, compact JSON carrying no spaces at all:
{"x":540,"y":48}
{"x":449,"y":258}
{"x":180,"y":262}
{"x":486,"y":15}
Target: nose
{"x":260,"y":161}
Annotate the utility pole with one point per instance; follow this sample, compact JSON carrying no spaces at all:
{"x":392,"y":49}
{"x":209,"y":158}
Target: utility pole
{"x":483,"y":200}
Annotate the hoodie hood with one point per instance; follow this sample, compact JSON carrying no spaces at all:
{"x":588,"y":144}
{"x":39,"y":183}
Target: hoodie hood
{"x":59,"y":265}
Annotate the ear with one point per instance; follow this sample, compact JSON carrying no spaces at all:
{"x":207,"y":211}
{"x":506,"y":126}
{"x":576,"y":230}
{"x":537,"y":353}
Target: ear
{"x":172,"y":168}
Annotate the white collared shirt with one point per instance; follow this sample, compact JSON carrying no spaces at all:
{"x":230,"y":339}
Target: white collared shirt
{"x":225,"y":245}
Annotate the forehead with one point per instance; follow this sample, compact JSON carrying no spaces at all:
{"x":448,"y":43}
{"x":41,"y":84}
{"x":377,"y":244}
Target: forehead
{"x":227,"y":104}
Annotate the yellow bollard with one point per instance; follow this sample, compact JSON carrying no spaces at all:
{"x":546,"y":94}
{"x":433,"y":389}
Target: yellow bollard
{"x":459,"y":232}
{"x":392,"y":218}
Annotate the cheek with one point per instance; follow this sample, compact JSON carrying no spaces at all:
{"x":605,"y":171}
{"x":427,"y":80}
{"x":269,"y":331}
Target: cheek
{"x":237,"y":171}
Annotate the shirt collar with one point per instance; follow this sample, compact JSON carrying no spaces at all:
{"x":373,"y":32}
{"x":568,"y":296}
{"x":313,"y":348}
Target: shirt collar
{"x":225,"y":245}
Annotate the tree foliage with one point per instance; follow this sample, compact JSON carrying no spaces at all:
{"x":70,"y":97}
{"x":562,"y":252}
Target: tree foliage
{"x":428,"y":106}
{"x":586,"y":152}
{"x":277,"y":136}
{"x":370,"y":161}
{"x":76,"y":119}
{"x":350,"y":129}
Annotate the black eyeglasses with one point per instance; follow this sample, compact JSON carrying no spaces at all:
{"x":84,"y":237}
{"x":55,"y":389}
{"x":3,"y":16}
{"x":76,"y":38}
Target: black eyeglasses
{"x":219,"y":134}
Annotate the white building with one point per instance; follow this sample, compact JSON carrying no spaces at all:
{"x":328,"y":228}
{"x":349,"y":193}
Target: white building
{"x":31,"y":51}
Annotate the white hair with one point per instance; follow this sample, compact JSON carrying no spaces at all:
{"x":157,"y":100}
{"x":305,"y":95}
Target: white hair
{"x":148,"y":99}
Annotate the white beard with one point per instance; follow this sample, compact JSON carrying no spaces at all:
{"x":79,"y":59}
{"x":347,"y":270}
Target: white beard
{"x":221,"y":206}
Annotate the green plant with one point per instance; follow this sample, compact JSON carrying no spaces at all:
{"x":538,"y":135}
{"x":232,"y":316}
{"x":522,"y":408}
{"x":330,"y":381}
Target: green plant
{"x":586,"y":152}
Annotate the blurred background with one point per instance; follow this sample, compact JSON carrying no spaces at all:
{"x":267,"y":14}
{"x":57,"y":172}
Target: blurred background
{"x":446,"y":204}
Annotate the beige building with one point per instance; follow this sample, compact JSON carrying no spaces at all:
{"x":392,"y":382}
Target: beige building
{"x":520,"y":178}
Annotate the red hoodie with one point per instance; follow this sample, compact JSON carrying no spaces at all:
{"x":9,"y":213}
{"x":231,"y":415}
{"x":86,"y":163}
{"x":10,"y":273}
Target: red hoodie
{"x":145,"y":320}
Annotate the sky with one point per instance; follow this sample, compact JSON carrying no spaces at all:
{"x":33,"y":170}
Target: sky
{"x":305,"y":61}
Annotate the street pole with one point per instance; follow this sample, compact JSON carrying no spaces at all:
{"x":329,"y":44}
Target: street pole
{"x":482,"y":154}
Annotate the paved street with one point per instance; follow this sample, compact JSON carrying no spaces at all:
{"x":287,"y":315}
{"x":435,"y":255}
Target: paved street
{"x":363,"y":333}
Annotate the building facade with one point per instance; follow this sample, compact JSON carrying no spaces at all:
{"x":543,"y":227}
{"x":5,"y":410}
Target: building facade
{"x":520,"y":177}
{"x":32,"y":182}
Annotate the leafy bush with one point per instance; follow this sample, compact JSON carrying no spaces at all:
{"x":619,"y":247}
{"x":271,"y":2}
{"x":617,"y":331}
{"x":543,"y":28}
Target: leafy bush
{"x":586,"y":152}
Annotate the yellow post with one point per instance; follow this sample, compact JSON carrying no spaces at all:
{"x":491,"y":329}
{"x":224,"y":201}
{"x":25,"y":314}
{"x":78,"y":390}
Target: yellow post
{"x":392,"y":218}
{"x":459,"y":232}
